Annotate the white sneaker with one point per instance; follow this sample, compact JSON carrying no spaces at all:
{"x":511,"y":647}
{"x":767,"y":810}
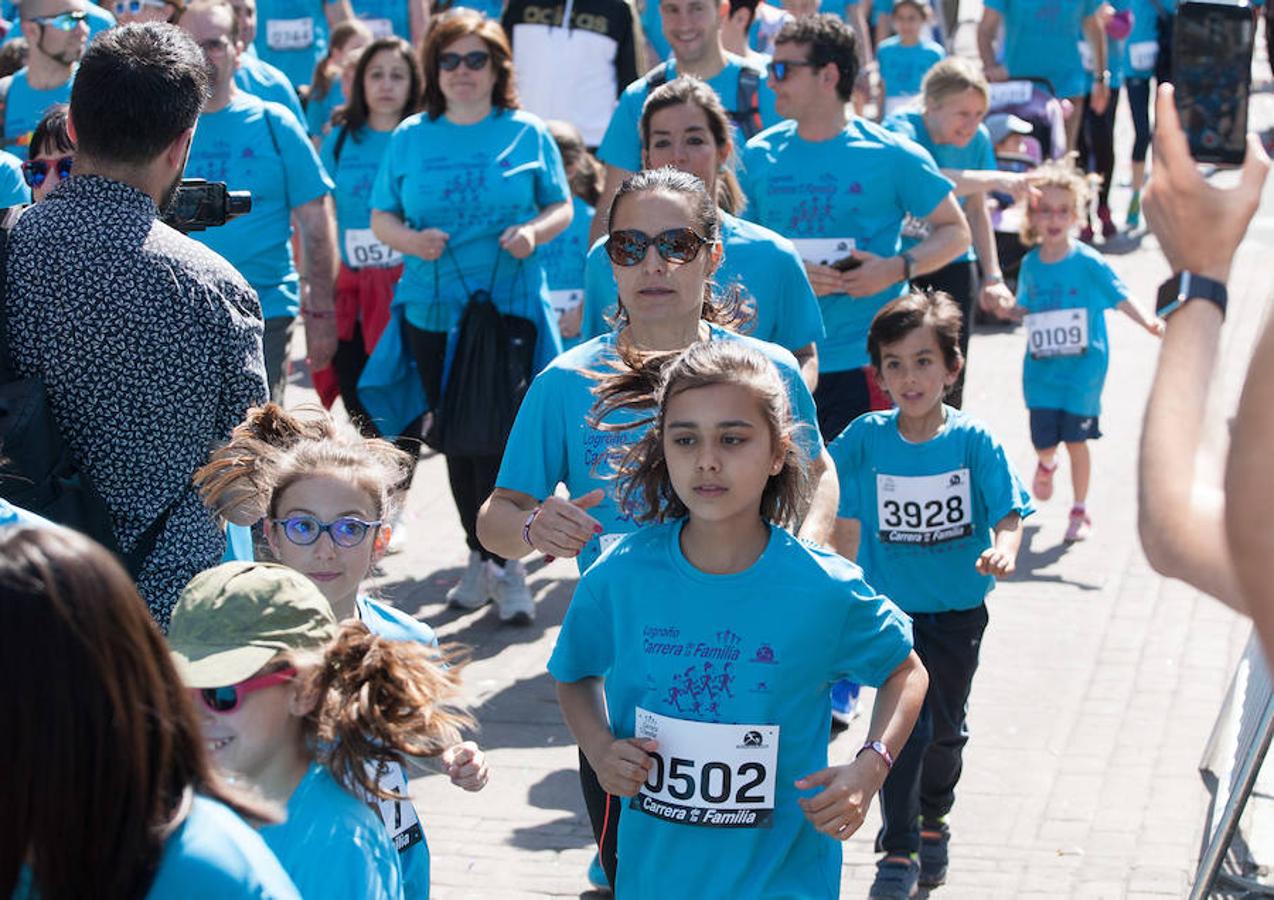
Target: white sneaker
{"x":512,"y":597}
{"x":474,"y":589}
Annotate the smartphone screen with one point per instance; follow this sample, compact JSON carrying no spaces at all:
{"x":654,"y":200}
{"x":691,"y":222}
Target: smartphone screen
{"x":1212,"y":73}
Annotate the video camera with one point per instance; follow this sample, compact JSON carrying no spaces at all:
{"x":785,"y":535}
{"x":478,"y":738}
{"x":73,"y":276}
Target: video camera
{"x":199,"y":204}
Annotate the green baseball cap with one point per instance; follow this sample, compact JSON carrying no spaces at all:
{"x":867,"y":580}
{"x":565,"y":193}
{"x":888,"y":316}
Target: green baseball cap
{"x":233,"y":619}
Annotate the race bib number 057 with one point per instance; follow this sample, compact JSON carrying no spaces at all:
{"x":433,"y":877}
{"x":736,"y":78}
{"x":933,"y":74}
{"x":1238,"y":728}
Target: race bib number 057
{"x":709,"y":775}
{"x":924,"y":509}
{"x":364,"y":250}
{"x":1058,"y":332}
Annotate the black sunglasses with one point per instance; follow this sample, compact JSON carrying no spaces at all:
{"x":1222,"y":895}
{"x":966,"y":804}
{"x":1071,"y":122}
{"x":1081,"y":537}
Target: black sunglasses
{"x":676,"y":245}
{"x":35,"y":171}
{"x":474,"y":60}
{"x":780,"y":69}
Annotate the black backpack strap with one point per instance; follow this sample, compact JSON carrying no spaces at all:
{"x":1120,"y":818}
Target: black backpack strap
{"x":657,"y":76}
{"x":747,"y":113}
{"x":134,"y":559}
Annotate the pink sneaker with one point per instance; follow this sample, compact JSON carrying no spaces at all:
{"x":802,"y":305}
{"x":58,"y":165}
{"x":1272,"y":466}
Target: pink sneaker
{"x":1080,"y":525}
{"x":1042,"y":486}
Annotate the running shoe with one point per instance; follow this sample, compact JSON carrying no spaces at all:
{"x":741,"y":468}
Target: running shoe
{"x":597,"y":875}
{"x":896,"y":879}
{"x":933,"y":854}
{"x":844,"y":702}
{"x":512,"y":597}
{"x":1108,"y":227}
{"x":1042,"y":486}
{"x":1080,"y":525}
{"x":1134,"y":210}
{"x":474,"y":589}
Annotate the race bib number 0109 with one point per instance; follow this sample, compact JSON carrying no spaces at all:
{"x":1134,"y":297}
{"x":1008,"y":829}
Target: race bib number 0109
{"x":399,"y":816}
{"x":365,"y":251}
{"x":924,"y":509}
{"x":289,"y":34}
{"x":709,"y":775}
{"x":1058,"y":332}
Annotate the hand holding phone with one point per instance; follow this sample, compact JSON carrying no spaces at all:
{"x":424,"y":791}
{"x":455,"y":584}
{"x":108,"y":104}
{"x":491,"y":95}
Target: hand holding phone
{"x":1212,"y":73}
{"x":847,"y":263}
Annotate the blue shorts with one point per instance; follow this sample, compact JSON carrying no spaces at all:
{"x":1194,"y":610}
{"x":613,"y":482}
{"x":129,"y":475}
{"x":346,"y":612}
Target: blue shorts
{"x":1050,"y":427}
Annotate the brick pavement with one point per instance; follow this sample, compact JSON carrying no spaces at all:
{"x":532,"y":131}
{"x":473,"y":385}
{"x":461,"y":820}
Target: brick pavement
{"x":1097,"y":691}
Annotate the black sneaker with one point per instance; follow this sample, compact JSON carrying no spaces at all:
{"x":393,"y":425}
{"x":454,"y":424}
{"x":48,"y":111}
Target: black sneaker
{"x":933,"y":854}
{"x":896,"y":879}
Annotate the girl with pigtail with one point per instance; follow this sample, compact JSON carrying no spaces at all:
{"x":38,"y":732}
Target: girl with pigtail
{"x":326,"y":495}
{"x":702,"y":701}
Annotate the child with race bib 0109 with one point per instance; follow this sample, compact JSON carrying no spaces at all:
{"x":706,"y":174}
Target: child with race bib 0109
{"x":1064,"y":290}
{"x":326,"y":494}
{"x":691,"y":688}
{"x":931,"y":508}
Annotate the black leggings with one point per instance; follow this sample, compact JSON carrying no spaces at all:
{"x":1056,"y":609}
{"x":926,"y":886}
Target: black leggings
{"x":1138,"y":90}
{"x":960,"y":280}
{"x":1097,"y":145}
{"x":472,"y":478}
{"x":603,"y":814}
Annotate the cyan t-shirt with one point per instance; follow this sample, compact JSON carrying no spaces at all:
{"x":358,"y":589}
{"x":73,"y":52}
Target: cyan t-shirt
{"x":1040,"y":41}
{"x":858,"y":185}
{"x":762,"y":264}
{"x":13,"y":187}
{"x":927,"y":510}
{"x":552,"y":442}
{"x":903,"y":68}
{"x":259,"y":147}
{"x":564,"y":258}
{"x":332,"y":845}
{"x":260,"y":79}
{"x":318,"y":115}
{"x":25,"y":106}
{"x":292,"y":36}
{"x":979,"y":154}
{"x":385,"y":17}
{"x":1141,"y":50}
{"x":354,"y":175}
{"x":1085,"y":286}
{"x":492,"y":9}
{"x":621,"y":145}
{"x":722,"y":649}
{"x":471,"y":181}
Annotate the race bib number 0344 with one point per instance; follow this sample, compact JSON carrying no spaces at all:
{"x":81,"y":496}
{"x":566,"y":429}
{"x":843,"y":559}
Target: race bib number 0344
{"x":289,"y":34}
{"x":1058,"y":332}
{"x":924,"y":509}
{"x":709,"y":775}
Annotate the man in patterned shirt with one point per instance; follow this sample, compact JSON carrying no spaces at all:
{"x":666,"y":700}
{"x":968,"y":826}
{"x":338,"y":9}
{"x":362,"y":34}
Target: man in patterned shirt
{"x":149,"y":344}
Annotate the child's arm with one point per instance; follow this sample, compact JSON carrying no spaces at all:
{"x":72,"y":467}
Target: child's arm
{"x":621,"y":766}
{"x":1000,"y":558}
{"x":466,"y":766}
{"x":1146,"y":320}
{"x":839,"y":809}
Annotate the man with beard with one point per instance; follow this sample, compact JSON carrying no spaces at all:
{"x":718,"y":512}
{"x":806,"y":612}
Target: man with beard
{"x":148,"y":344}
{"x":55,"y":31}
{"x":258,"y":146}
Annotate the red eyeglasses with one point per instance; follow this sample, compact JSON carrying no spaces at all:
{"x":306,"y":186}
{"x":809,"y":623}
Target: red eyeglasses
{"x":224,"y":700}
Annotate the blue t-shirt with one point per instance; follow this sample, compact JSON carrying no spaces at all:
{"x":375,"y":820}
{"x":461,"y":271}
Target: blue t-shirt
{"x":762,"y":264}
{"x":927,"y":510}
{"x":564,"y":258}
{"x":385,"y":17}
{"x":472,"y":181}
{"x":726,"y":649}
{"x":1085,"y":286}
{"x":621,"y":145}
{"x":318,"y":115}
{"x":903,"y":68}
{"x":400,"y":817}
{"x":332,"y":845}
{"x":13,"y":187}
{"x":979,"y":154}
{"x":292,"y":36}
{"x":492,"y":9}
{"x":552,"y":442}
{"x":24,"y":107}
{"x":354,"y":175}
{"x":858,"y":185}
{"x":259,"y":147}
{"x":260,"y":79}
{"x":1040,"y":41}
{"x":1141,"y":50}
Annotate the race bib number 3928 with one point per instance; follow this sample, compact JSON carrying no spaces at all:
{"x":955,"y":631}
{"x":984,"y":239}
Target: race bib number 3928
{"x":924,"y":509}
{"x":709,"y":775}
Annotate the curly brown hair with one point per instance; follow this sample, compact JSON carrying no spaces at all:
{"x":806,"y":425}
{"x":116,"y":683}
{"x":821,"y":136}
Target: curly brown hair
{"x":448,"y":29}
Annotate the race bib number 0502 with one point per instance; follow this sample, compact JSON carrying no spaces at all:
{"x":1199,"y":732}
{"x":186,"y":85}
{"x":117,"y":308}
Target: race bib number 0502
{"x":1058,"y":332}
{"x":709,"y":775}
{"x":924,"y":509}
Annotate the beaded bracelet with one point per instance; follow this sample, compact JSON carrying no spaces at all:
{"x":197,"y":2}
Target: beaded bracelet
{"x":526,"y":527}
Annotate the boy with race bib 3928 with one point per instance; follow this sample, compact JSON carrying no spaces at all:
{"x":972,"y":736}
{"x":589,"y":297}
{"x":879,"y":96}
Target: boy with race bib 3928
{"x":931,"y":507}
{"x":1064,"y":290}
{"x":689,"y":686}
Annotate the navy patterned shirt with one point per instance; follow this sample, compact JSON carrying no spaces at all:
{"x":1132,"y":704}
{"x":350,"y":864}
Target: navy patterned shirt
{"x":149,"y":346}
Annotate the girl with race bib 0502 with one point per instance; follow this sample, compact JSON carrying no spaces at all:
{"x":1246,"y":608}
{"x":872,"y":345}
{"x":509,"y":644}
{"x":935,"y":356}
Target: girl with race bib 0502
{"x":326,"y":494}
{"x":931,"y":508}
{"x":1064,"y":289}
{"x":697,"y":695}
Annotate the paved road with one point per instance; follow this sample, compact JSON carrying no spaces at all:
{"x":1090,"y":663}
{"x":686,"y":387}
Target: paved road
{"x":1098,"y":686}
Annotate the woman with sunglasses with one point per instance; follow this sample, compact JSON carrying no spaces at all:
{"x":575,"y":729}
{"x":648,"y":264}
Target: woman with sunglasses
{"x":129,"y":11}
{"x":316,"y":716}
{"x":327,"y":494}
{"x":664,"y":244}
{"x":105,"y":779}
{"x":468,"y":190}
{"x":50,"y":155}
{"x":684,"y":125}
